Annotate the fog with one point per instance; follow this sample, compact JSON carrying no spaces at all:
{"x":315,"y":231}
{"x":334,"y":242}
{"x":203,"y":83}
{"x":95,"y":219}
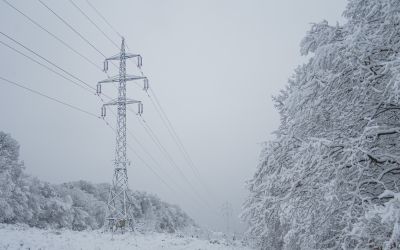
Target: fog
{"x":214,"y":66}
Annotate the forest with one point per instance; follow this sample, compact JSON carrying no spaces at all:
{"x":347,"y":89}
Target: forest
{"x":76,"y":205}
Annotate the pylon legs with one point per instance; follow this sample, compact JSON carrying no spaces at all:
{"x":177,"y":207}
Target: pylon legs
{"x":119,"y":217}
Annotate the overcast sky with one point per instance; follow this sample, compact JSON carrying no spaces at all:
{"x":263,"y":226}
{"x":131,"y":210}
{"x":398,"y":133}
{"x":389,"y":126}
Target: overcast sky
{"x":214,"y":66}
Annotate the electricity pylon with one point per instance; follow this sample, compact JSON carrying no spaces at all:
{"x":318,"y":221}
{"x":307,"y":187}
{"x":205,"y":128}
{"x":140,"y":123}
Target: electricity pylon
{"x":118,"y":213}
{"x":226,"y":210}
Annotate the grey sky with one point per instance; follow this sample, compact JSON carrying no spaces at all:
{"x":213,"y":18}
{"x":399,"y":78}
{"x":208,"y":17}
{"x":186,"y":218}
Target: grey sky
{"x":213,"y":64}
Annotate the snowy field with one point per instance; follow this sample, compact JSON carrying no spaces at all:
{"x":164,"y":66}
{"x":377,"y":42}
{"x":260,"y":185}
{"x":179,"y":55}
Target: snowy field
{"x":24,"y":237}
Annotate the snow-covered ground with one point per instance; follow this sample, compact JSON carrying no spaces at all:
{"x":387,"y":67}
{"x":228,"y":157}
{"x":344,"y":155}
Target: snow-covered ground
{"x":24,"y":237}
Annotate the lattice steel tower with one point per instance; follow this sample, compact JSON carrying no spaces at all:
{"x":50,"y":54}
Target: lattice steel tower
{"x":118,"y":213}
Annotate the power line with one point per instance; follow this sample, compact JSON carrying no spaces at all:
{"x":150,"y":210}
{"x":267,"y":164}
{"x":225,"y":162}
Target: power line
{"x":53,"y":64}
{"x":171,"y":128}
{"x":75,"y":31}
{"x":150,"y":156}
{"x":57,"y":38}
{"x":72,"y":28}
{"x":52,"y":35}
{"x":48,"y":61}
{"x":177,"y":139}
{"x":49,"y":97}
{"x":104,"y":19}
{"x":171,"y":131}
{"x":163,"y":150}
{"x":143,"y":147}
{"x":43,"y":65}
{"x":149,"y":167}
{"x":92,"y":22}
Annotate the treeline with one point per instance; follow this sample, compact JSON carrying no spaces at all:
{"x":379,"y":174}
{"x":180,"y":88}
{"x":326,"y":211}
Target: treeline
{"x":75,"y":205}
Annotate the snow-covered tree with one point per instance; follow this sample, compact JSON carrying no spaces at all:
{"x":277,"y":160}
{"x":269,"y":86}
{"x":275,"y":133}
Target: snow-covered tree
{"x":331,"y":178}
{"x":10,"y":172}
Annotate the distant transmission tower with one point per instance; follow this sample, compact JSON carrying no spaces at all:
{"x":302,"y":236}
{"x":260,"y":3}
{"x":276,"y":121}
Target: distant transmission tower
{"x":118,"y":213}
{"x":226,"y":210}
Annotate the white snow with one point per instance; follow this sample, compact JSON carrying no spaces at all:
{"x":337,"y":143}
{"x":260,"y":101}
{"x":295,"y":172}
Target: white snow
{"x":24,"y":237}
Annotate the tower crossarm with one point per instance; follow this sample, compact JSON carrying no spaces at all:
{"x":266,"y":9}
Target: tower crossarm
{"x":117,"y":57}
{"x":127,"y":78}
{"x":123,"y":56}
{"x":116,"y":102}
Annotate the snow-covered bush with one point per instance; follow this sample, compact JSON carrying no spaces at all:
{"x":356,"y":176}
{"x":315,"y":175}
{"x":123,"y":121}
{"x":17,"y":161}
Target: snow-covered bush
{"x":323,"y":182}
{"x":75,"y":205}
